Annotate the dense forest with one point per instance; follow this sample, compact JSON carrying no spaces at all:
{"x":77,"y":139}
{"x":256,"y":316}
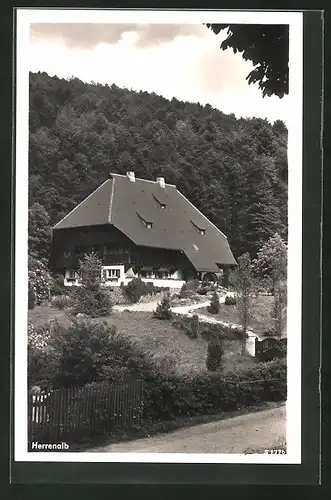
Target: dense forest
{"x":233,"y":170}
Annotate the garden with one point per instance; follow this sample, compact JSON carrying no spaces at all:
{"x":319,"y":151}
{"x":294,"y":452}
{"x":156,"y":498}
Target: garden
{"x":188,"y":368}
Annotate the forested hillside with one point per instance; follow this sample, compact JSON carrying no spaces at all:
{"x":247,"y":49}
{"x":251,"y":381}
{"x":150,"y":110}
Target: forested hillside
{"x":233,"y":170}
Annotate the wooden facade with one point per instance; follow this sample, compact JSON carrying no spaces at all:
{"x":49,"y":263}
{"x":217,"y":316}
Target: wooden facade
{"x":115,"y":249}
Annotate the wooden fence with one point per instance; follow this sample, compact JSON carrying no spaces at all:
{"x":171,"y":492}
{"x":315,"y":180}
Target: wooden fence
{"x":85,"y":411}
{"x":270,"y":348}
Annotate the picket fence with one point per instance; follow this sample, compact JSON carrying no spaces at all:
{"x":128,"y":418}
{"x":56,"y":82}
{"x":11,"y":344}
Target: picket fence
{"x":65,"y":413}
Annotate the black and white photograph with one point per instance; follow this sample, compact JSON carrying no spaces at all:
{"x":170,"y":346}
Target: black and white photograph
{"x":158,"y":236}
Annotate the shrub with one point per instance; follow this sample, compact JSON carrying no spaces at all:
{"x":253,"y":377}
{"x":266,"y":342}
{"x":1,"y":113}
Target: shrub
{"x":188,"y":289}
{"x":93,"y":303}
{"x":163,"y":310}
{"x":57,"y":286}
{"x":230,"y":301}
{"x":214,"y":306}
{"x":215,"y":354}
{"x":118,"y":296}
{"x":83,"y":351}
{"x":135,"y":289}
{"x":171,"y":397}
{"x":39,"y":279}
{"x":31,"y":297}
{"x":61,"y":301}
{"x":150,"y":288}
{"x":194,"y":326}
{"x":90,"y":297}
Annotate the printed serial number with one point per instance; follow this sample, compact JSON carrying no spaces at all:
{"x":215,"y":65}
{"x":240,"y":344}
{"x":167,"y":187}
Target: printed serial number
{"x":275,"y":452}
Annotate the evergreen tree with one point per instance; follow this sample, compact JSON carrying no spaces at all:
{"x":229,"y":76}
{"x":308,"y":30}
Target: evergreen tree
{"x":244,"y":284}
{"x":90,"y":297}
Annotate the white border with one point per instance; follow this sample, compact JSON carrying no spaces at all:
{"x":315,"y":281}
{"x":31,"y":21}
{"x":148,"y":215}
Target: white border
{"x":295,"y":21}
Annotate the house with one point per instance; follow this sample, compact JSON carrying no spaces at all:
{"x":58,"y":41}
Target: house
{"x":140,"y":228}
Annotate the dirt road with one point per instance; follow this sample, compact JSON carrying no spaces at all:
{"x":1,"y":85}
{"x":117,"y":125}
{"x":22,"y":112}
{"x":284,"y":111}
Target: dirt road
{"x":232,"y":435}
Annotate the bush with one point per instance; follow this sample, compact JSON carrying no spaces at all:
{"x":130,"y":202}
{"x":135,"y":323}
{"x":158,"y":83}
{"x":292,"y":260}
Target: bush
{"x":118,"y":296}
{"x":163,"y":310}
{"x":194,"y":326}
{"x":93,"y":303}
{"x":61,"y":301}
{"x":83,"y":351}
{"x":215,"y":354}
{"x":39,"y":279}
{"x":135,"y":289}
{"x":57,"y":286}
{"x":214,"y":306}
{"x":230,"y":301}
{"x":169,"y":398}
{"x":188,"y":289}
{"x":150,"y":288}
{"x":31,"y":297}
{"x":90,"y":297}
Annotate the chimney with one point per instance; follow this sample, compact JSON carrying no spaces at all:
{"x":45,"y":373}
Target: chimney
{"x":160,"y":181}
{"x":131,"y":176}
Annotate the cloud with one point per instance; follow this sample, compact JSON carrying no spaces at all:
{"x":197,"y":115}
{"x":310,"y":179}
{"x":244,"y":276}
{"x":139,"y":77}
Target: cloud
{"x":182,"y":61}
{"x":89,"y":35}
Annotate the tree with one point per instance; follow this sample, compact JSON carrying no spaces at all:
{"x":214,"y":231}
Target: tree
{"x":39,"y":281}
{"x":90,"y":297}
{"x":271,"y":264}
{"x":163,"y":310}
{"x":214,"y":306}
{"x":215,"y":353}
{"x":40,"y":231}
{"x":267,"y":47}
{"x":278,"y":313}
{"x":243,"y":281}
{"x":271,"y":261}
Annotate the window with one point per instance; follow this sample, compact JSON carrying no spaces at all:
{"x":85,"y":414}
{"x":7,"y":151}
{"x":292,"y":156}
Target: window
{"x":160,"y":203}
{"x":70,"y":275}
{"x":147,"y":224}
{"x":113,"y":274}
{"x":200,"y":230}
{"x":146,"y":273}
{"x":162,"y":275}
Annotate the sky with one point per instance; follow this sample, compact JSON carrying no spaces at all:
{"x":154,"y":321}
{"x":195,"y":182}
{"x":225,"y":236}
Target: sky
{"x":172,"y":60}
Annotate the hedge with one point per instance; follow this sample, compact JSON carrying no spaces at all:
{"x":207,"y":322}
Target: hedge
{"x":206,"y":327}
{"x":169,"y":398}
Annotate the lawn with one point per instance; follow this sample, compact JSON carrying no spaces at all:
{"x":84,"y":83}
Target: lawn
{"x":165,"y":341}
{"x":260,"y":320}
{"x":161,"y":338}
{"x":42,"y":314}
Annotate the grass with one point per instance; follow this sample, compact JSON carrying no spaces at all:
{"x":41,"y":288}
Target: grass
{"x":42,"y":314}
{"x":260,"y":320}
{"x":167,"y":343}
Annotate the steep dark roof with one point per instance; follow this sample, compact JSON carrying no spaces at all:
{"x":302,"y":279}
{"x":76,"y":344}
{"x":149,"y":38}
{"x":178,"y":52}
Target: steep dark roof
{"x":175,"y":221}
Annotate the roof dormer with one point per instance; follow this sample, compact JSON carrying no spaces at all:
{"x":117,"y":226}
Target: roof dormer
{"x":201,"y":230}
{"x":147,"y":224}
